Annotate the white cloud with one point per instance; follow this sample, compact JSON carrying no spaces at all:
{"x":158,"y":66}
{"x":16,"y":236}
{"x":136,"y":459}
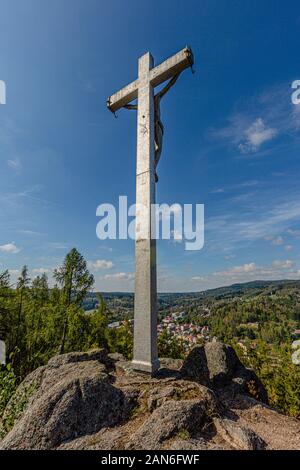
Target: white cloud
{"x":288,"y":247}
{"x":41,"y":270}
{"x":255,"y":135}
{"x":279,"y":269}
{"x":260,"y":119}
{"x":120,"y":281}
{"x":119,"y":276}
{"x":100,"y":264}
{"x":198,"y":278}
{"x":9,"y":248}
{"x":283,"y":264}
{"x":244,"y":268}
{"x":246,"y":133}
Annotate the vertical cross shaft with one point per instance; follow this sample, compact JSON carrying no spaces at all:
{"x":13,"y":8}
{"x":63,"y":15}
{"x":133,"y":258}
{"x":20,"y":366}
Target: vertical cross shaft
{"x":145,"y":310}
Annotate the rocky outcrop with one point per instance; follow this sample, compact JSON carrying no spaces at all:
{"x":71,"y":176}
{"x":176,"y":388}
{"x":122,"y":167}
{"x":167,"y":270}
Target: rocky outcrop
{"x":173,"y":417}
{"x":195,"y":366}
{"x":71,"y":396}
{"x":217,"y":366}
{"x":94,"y":401}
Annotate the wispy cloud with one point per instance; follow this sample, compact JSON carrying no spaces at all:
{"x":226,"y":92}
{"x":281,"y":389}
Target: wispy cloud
{"x":279,"y":269}
{"x":15,"y":164}
{"x":235,"y":187}
{"x":293,"y":233}
{"x":19,"y":199}
{"x":236,"y":228}
{"x":119,"y":277}
{"x":261,"y":119}
{"x":105,"y":248}
{"x":30,"y":232}
{"x":58,"y":245}
{"x":275,"y":240}
{"x":283,"y":264}
{"x":217,"y":191}
{"x":228,"y":257}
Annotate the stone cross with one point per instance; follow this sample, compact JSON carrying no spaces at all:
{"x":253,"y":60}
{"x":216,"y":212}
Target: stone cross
{"x":145,"y":356}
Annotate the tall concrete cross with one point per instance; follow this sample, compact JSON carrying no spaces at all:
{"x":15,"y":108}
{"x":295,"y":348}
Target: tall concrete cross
{"x":145,"y":356}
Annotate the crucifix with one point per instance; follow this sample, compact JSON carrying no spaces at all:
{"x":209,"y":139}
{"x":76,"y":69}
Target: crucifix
{"x":149,"y":146}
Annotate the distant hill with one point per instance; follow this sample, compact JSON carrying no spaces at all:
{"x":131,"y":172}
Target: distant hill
{"x":238,"y":287}
{"x":165,"y":298}
{"x":249,"y":287}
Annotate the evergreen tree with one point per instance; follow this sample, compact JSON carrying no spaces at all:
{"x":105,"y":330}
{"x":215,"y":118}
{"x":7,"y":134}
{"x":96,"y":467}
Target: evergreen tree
{"x":4,"y":280}
{"x":22,"y":285}
{"x":75,"y":281}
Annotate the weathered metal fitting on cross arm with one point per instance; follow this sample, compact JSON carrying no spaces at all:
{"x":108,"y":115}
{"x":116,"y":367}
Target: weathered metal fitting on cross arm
{"x":190,"y":56}
{"x":108,"y":104}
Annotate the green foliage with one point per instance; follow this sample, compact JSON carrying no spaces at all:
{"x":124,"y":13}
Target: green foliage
{"x":277,"y":372}
{"x":17,"y":402}
{"x":121,"y":340}
{"x":36,"y":321}
{"x":8,"y":383}
{"x":264,"y":323}
{"x":169,"y":346}
{"x":258,"y":319}
{"x":4,"y":279}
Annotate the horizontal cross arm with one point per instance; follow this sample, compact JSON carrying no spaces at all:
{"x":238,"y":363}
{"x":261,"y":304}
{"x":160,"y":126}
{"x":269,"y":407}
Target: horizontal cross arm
{"x":122,"y":97}
{"x":162,"y":72}
{"x":172,"y":66}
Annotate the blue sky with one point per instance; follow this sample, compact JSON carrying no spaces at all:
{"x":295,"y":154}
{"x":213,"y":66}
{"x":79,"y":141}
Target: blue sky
{"x":232,"y":135}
